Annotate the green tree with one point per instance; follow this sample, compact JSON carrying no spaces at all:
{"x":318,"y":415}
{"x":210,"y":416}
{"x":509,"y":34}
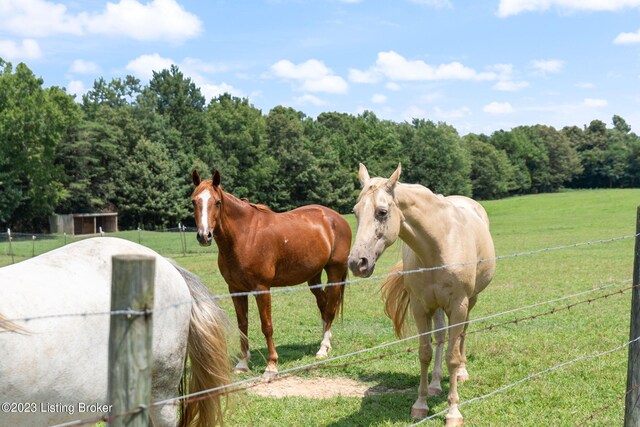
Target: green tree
{"x":146,"y":188}
{"x":33,"y":121}
{"x":437,"y":159}
{"x":239,"y":147}
{"x":492,"y":174}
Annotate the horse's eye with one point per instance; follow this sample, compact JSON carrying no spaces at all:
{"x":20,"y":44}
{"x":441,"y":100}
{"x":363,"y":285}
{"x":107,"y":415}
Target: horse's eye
{"x":218,"y":203}
{"x":193,"y":202}
{"x":382,"y":212}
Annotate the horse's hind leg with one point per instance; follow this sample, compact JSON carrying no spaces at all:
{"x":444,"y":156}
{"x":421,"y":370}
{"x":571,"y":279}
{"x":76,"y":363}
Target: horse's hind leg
{"x":463,"y":374}
{"x":440,"y":335}
{"x":322,"y":299}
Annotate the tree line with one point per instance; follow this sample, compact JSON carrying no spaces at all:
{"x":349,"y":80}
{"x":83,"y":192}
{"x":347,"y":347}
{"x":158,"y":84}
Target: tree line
{"x":130,"y":148}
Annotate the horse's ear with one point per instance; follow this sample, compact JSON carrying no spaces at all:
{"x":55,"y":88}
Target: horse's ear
{"x":196,"y":178}
{"x":393,"y":180}
{"x":216,"y":178}
{"x":363,"y":174}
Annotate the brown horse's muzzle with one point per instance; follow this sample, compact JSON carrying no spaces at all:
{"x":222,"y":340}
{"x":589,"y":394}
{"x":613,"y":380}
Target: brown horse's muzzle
{"x":204,"y":238}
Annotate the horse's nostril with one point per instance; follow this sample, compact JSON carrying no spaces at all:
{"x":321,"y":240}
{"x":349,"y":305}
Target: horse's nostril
{"x":362,"y":264}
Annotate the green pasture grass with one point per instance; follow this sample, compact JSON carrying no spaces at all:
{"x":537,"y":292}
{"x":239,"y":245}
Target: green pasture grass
{"x":589,"y":392}
{"x":170,"y":244}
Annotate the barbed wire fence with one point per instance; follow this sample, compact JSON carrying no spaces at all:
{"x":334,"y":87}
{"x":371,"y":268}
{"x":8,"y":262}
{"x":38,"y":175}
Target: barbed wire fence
{"x":330,"y":363}
{"x":17,"y":246}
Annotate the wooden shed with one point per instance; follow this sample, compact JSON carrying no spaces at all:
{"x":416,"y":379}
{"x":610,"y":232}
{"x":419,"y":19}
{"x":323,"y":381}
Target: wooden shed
{"x":89,"y":223}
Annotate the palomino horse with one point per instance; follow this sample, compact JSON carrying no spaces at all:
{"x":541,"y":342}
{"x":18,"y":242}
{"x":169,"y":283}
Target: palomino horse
{"x":55,"y":365}
{"x":447,"y":235}
{"x":259,"y":249}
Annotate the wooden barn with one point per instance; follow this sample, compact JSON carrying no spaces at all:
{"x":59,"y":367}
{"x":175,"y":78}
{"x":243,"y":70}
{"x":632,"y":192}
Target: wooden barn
{"x":89,"y":223}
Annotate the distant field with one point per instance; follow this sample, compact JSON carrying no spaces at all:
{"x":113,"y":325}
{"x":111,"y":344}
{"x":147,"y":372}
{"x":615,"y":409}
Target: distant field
{"x":589,"y":392}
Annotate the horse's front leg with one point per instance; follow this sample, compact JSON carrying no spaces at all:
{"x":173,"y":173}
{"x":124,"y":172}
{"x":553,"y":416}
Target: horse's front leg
{"x":264,"y":308}
{"x":440,"y":334}
{"x":422,"y":319}
{"x":241,"y":305}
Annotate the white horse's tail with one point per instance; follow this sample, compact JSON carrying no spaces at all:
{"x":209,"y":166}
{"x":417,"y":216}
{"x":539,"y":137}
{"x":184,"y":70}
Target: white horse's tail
{"x":396,"y":299}
{"x":207,"y":351}
{"x":9,"y":326}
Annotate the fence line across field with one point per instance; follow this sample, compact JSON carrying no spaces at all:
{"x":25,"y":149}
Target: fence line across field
{"x":532,"y":376}
{"x":226,"y":388}
{"x":348,"y":282}
{"x":253,"y":381}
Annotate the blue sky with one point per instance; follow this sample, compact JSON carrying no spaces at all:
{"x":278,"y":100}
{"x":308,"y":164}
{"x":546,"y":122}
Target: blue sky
{"x":480,"y":66}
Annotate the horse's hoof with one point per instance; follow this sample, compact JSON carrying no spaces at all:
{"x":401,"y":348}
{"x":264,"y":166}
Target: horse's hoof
{"x":434,"y":391}
{"x":454,"y":422}
{"x":322,"y":353}
{"x":419,"y":413}
{"x":240,"y":370}
{"x":267,"y":376}
{"x":463,"y":377}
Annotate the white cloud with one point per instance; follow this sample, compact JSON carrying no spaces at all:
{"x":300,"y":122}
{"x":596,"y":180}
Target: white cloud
{"x":395,"y":67}
{"x":506,"y":81}
{"x":37,"y":18}
{"x":438,"y":4}
{"x":210,"y":90}
{"x":80,"y":66}
{"x":627,"y":38}
{"x":76,"y":87}
{"x":498,"y":108}
{"x":378,"y":98}
{"x":544,"y":66}
{"x":515,"y":7}
{"x":309,"y":99}
{"x":510,"y":85}
{"x":358,"y":76}
{"x":144,"y":65}
{"x":313,"y":76}
{"x":12,"y":51}
{"x":153,"y":20}
{"x":595,"y":103}
{"x":393,"y":86}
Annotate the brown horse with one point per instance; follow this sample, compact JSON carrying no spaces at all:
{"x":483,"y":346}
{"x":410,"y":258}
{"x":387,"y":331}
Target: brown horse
{"x":259,"y":249}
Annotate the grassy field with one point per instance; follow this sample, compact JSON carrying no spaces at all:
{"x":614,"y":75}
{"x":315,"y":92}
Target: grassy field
{"x":589,"y":392}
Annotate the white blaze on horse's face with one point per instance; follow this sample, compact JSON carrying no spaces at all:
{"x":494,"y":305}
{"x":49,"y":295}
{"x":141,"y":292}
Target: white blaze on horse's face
{"x":378,"y":219}
{"x":206,"y":206}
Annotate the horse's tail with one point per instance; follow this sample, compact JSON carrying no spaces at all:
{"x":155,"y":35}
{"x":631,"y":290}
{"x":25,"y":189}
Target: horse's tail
{"x":9,"y":326}
{"x":396,"y":299}
{"x":207,"y":351}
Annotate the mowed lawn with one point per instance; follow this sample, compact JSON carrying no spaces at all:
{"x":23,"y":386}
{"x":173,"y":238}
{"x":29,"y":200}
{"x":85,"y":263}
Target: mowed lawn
{"x":588,"y":392}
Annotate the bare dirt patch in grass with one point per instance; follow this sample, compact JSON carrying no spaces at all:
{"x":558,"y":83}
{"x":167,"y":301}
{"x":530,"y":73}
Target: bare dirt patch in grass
{"x":318,"y":388}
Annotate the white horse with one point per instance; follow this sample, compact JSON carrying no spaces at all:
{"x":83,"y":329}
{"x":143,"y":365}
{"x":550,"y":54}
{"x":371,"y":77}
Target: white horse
{"x":438,"y":231}
{"x":53,"y":368}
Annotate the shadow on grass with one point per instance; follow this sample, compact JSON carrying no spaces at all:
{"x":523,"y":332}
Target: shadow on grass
{"x":388,"y":399}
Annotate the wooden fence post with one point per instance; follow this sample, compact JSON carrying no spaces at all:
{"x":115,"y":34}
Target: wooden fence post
{"x":632,"y":399}
{"x":130,"y":340}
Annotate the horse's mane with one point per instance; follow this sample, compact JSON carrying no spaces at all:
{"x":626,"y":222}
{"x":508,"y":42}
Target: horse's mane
{"x":244,"y":200}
